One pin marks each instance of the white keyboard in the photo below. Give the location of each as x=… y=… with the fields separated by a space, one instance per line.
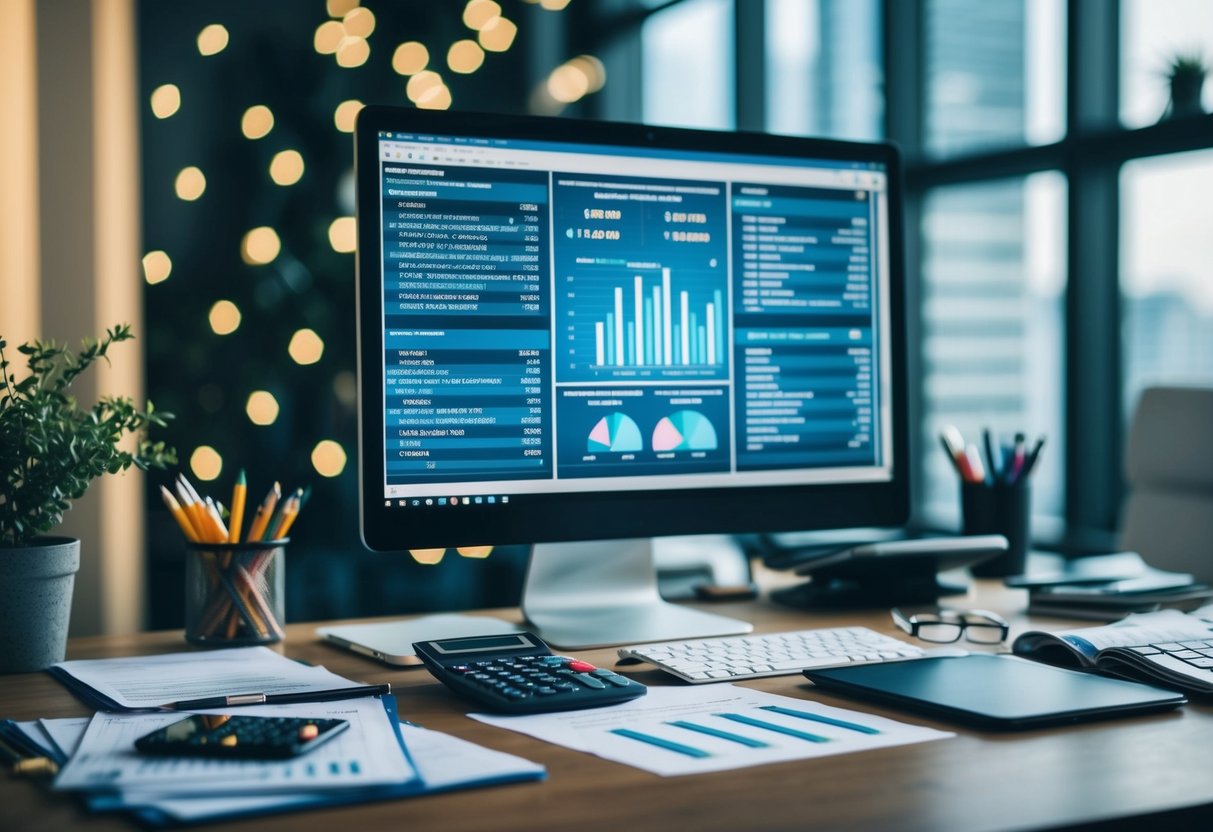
x=776 y=654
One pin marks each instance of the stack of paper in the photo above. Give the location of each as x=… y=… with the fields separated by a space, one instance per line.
x=375 y=758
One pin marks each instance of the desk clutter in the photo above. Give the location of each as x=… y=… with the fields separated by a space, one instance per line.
x=376 y=756
x=1106 y=587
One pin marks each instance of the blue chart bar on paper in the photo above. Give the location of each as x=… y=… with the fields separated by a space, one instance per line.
x=642 y=287
x=660 y=742
x=824 y=720
x=748 y=742
x=771 y=726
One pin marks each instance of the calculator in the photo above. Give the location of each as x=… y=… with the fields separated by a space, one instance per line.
x=517 y=673
x=240 y=737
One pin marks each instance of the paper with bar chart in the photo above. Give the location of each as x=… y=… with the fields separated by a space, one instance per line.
x=692 y=730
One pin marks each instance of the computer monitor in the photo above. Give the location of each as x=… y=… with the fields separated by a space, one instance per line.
x=596 y=332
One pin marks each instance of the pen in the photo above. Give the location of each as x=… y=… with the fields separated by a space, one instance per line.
x=278 y=698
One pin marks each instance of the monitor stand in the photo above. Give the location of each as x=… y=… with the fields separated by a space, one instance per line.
x=602 y=593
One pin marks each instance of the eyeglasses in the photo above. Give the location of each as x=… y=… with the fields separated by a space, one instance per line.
x=945 y=626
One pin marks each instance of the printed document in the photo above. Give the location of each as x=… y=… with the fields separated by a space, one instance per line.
x=141 y=682
x=691 y=730
x=366 y=754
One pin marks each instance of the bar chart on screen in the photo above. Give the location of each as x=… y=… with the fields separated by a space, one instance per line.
x=642 y=288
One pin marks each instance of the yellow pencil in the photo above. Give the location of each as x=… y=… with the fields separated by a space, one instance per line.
x=179 y=515
x=218 y=530
x=236 y=519
x=266 y=510
x=289 y=519
x=282 y=523
x=193 y=512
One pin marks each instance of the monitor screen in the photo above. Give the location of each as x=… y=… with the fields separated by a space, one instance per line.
x=578 y=330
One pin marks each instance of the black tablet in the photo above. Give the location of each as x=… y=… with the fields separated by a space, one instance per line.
x=995 y=691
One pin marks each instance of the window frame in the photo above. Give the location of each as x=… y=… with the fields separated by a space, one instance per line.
x=1089 y=155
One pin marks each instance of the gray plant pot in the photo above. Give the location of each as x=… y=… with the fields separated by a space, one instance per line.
x=36 y=602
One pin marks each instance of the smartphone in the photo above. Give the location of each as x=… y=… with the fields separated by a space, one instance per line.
x=240 y=737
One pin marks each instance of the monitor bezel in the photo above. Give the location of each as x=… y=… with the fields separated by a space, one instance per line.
x=572 y=516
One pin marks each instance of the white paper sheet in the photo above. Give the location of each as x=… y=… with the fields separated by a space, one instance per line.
x=444 y=762
x=66 y=732
x=707 y=711
x=365 y=754
x=152 y=681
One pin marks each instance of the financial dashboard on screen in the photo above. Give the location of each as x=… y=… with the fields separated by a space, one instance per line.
x=566 y=317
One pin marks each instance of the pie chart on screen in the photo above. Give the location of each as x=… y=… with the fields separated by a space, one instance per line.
x=686 y=430
x=616 y=432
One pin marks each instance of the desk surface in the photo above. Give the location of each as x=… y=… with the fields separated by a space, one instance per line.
x=1085 y=774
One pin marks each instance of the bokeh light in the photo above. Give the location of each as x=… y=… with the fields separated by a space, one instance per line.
x=478 y=552
x=352 y=52
x=262 y=408
x=435 y=98
x=260 y=246
x=328 y=458
x=553 y=5
x=157 y=266
x=257 y=122
x=465 y=56
x=328 y=37
x=224 y=317
x=346 y=115
x=343 y=235
x=479 y=12
x=340 y=8
x=359 y=22
x=306 y=347
x=286 y=168
x=206 y=463
x=421 y=82
x=410 y=58
x=166 y=100
x=212 y=39
x=427 y=557
x=190 y=184
x=498 y=34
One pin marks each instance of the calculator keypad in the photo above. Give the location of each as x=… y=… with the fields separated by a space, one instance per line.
x=517 y=678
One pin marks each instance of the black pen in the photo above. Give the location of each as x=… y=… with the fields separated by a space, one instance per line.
x=278 y=698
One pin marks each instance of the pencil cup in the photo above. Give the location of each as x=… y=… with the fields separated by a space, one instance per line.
x=234 y=593
x=1000 y=508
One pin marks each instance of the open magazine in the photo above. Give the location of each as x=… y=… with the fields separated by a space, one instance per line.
x=1167 y=648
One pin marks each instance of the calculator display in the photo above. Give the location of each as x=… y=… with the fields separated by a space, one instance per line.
x=455 y=646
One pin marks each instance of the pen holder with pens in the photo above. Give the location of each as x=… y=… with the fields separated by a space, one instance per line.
x=234 y=592
x=1003 y=508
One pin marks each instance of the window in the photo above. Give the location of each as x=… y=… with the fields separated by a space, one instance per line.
x=688 y=65
x=1154 y=33
x=1166 y=276
x=994 y=74
x=993 y=286
x=823 y=68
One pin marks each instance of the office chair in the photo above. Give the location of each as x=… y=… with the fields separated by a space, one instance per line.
x=1168 y=514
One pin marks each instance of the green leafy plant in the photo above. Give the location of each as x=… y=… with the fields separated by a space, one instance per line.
x=50 y=448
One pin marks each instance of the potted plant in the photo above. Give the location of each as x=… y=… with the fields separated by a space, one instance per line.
x=1186 y=78
x=50 y=452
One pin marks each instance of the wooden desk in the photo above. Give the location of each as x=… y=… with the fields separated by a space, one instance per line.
x=1099 y=774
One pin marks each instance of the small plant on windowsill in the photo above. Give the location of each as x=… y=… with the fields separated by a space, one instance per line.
x=1185 y=76
x=51 y=450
